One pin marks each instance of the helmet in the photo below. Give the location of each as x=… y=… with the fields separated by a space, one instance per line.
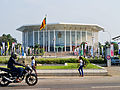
x=13 y=55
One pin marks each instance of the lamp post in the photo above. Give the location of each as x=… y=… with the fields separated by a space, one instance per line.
x=108 y=51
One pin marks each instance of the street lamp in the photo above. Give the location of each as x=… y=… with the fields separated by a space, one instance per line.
x=108 y=51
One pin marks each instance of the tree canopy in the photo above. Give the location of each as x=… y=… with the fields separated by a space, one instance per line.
x=7 y=38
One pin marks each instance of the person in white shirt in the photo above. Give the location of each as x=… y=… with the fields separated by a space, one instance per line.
x=33 y=64
x=80 y=69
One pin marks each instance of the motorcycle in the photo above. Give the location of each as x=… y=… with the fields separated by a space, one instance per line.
x=7 y=76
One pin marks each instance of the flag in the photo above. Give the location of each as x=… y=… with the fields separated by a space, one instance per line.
x=8 y=46
x=1 y=51
x=13 y=47
x=98 y=51
x=43 y=24
x=85 y=46
x=20 y=48
x=92 y=51
x=102 y=51
x=3 y=44
x=119 y=48
x=112 y=50
x=82 y=50
x=22 y=51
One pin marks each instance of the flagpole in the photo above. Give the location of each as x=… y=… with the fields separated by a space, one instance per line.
x=46 y=33
x=44 y=27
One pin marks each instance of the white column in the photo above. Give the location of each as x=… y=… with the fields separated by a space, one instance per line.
x=33 y=38
x=48 y=40
x=54 y=40
x=93 y=38
x=86 y=36
x=70 y=42
x=22 y=38
x=75 y=38
x=65 y=40
x=38 y=37
x=27 y=38
x=81 y=35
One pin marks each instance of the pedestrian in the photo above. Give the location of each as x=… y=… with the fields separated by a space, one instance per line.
x=80 y=69
x=33 y=64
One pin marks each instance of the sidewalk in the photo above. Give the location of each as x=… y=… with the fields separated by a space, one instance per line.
x=72 y=72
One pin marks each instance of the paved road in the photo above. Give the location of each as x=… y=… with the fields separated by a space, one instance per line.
x=71 y=83
x=111 y=82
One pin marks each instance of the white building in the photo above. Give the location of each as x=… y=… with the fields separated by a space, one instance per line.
x=63 y=36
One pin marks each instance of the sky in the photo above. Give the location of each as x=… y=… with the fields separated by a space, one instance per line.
x=15 y=13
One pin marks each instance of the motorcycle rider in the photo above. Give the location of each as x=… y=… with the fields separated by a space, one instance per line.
x=12 y=63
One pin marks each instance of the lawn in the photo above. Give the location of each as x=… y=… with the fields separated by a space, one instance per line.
x=69 y=66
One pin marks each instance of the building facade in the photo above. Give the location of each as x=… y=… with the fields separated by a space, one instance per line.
x=60 y=36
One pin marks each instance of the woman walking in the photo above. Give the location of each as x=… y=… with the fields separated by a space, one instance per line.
x=80 y=69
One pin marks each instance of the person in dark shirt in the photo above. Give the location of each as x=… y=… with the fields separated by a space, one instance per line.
x=11 y=65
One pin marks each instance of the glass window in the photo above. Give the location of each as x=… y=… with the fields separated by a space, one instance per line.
x=23 y=37
x=60 y=38
x=41 y=38
x=78 y=38
x=30 y=38
x=52 y=38
x=73 y=37
x=83 y=36
x=67 y=38
x=89 y=37
x=35 y=38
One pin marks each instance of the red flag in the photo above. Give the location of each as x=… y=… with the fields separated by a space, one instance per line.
x=43 y=24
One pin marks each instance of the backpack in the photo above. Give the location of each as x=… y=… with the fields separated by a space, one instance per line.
x=83 y=63
x=35 y=63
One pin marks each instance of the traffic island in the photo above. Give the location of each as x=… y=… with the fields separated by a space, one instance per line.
x=72 y=72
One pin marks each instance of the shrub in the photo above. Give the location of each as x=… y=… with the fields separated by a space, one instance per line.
x=4 y=60
x=56 y=60
x=97 y=61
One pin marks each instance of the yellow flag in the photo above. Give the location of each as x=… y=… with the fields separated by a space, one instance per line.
x=8 y=46
x=20 y=48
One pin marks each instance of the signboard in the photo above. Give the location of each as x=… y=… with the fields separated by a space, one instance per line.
x=112 y=50
x=108 y=57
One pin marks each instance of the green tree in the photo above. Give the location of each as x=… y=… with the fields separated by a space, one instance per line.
x=7 y=38
x=115 y=48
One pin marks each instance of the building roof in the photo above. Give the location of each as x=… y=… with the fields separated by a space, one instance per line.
x=62 y=26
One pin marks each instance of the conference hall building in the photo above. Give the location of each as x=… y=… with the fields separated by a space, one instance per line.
x=60 y=36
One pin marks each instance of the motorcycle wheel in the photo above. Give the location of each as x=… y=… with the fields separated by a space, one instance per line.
x=31 y=79
x=3 y=82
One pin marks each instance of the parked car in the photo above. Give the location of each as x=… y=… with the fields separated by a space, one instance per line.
x=115 y=60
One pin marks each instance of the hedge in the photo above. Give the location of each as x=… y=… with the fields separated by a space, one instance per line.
x=56 y=60
x=59 y=60
x=4 y=60
x=98 y=61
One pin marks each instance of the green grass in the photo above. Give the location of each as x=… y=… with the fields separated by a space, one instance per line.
x=4 y=59
x=70 y=66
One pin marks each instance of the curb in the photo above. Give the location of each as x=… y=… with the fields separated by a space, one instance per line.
x=73 y=72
